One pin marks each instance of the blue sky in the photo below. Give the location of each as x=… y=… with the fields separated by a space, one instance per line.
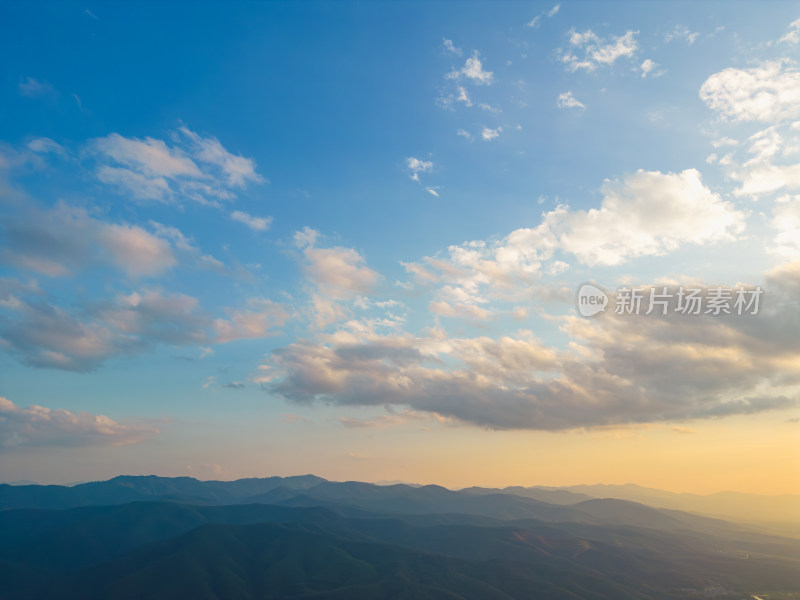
x=324 y=233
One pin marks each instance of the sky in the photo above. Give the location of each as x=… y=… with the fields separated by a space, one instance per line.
x=347 y=238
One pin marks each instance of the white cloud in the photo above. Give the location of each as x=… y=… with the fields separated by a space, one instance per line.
x=465 y=134
x=490 y=134
x=567 y=100
x=32 y=88
x=768 y=92
x=647 y=66
x=681 y=32
x=238 y=170
x=786 y=222
x=41 y=426
x=416 y=166
x=537 y=20
x=196 y=168
x=44 y=145
x=450 y=48
x=150 y=157
x=432 y=191
x=646 y=214
x=649 y=213
x=254 y=223
x=337 y=272
x=792 y=35
x=596 y=50
x=463 y=96
x=473 y=71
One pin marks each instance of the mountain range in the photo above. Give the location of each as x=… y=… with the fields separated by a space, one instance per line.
x=306 y=537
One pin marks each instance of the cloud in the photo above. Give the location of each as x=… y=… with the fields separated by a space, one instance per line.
x=44 y=145
x=786 y=223
x=646 y=214
x=490 y=134
x=534 y=22
x=432 y=191
x=647 y=66
x=260 y=319
x=195 y=168
x=416 y=166
x=567 y=100
x=681 y=32
x=34 y=88
x=237 y=169
x=450 y=48
x=649 y=213
x=537 y=20
x=463 y=96
x=337 y=272
x=614 y=371
x=47 y=336
x=473 y=71
x=465 y=134
x=254 y=223
x=596 y=50
x=769 y=92
x=41 y=426
x=792 y=35
x=62 y=239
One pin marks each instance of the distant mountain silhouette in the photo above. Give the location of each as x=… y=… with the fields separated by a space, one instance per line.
x=305 y=537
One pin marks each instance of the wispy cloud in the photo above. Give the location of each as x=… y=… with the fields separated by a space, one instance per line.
x=596 y=51
x=33 y=88
x=254 y=223
x=567 y=100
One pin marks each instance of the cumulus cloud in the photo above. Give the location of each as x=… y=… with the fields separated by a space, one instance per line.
x=616 y=370
x=645 y=214
x=337 y=272
x=473 y=71
x=647 y=67
x=41 y=426
x=416 y=166
x=489 y=134
x=567 y=100
x=649 y=213
x=588 y=51
x=768 y=92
